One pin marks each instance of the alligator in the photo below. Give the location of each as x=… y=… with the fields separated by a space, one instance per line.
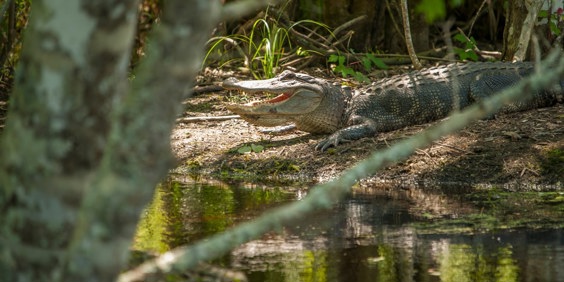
x=318 y=106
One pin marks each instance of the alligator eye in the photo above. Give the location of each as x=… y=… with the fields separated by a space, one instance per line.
x=287 y=74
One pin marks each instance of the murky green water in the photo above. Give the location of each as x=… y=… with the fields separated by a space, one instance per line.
x=377 y=234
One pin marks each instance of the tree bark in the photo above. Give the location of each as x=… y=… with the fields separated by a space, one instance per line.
x=72 y=70
x=80 y=154
x=407 y=32
x=521 y=17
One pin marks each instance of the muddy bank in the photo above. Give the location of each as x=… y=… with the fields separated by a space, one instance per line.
x=523 y=150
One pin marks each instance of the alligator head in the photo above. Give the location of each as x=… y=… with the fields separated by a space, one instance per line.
x=312 y=104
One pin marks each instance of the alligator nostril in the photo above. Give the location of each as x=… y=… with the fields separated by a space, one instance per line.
x=229 y=81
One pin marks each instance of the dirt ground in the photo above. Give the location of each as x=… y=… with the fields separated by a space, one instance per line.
x=519 y=151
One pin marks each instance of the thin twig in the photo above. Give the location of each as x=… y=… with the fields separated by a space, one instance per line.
x=533 y=7
x=312 y=42
x=347 y=36
x=452 y=147
x=206 y=89
x=408 y=41
x=476 y=16
x=346 y=25
x=394 y=23
x=233 y=43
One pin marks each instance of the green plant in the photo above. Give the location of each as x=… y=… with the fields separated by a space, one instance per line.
x=264 y=48
x=250 y=148
x=466 y=53
x=435 y=9
x=369 y=61
x=270 y=47
x=554 y=20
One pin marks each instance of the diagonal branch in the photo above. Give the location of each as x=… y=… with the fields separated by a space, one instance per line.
x=238 y=9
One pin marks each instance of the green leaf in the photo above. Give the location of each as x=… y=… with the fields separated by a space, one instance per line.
x=460 y=52
x=460 y=38
x=466 y=54
x=554 y=28
x=543 y=14
x=302 y=52
x=432 y=9
x=471 y=43
x=377 y=62
x=244 y=150
x=348 y=71
x=343 y=70
x=340 y=69
x=367 y=63
x=360 y=77
x=257 y=148
x=472 y=55
x=333 y=58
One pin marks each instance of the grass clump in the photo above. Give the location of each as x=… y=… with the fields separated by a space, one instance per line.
x=267 y=45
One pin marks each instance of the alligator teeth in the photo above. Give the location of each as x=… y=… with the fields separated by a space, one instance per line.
x=277 y=99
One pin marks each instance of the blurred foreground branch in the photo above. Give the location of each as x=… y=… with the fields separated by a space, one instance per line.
x=238 y=9
x=324 y=196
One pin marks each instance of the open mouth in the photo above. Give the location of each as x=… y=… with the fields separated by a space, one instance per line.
x=293 y=97
x=278 y=99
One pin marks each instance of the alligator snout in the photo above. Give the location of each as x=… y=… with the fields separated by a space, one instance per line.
x=230 y=82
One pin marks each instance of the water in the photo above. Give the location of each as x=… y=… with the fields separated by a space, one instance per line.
x=376 y=234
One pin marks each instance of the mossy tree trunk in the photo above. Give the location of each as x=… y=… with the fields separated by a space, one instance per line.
x=521 y=17
x=81 y=153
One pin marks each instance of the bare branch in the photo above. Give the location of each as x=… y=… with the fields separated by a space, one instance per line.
x=407 y=32
x=238 y=9
x=533 y=7
x=348 y=24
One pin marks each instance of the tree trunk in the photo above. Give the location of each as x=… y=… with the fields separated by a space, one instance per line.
x=72 y=70
x=381 y=29
x=80 y=154
x=520 y=20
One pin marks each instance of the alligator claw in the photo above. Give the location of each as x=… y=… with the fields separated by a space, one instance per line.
x=331 y=141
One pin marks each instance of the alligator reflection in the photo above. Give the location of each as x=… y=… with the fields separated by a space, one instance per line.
x=377 y=234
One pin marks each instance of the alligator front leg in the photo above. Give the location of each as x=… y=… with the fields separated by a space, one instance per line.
x=366 y=128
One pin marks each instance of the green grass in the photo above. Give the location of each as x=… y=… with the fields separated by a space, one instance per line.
x=263 y=50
